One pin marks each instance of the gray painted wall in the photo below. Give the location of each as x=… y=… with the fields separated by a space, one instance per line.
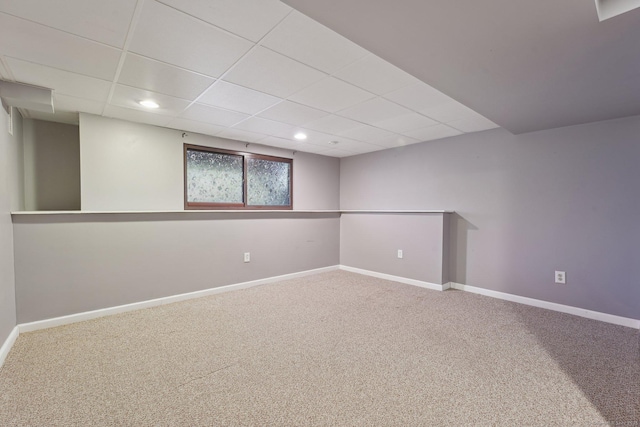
x=132 y=166
x=68 y=264
x=51 y=166
x=9 y=188
x=526 y=205
x=371 y=241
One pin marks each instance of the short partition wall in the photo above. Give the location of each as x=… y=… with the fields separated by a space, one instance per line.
x=68 y=263
x=407 y=244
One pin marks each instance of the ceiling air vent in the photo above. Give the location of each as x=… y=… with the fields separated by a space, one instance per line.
x=610 y=8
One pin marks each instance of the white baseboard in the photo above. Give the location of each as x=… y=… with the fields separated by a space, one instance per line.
x=8 y=343
x=420 y=283
x=87 y=315
x=589 y=314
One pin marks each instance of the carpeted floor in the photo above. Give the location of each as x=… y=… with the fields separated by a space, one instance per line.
x=334 y=349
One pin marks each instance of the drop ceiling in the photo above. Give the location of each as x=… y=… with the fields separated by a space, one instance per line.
x=250 y=70
x=525 y=65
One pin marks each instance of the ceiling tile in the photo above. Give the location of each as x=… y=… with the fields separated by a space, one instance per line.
x=354 y=146
x=171 y=36
x=313 y=137
x=374 y=110
x=273 y=73
x=36 y=43
x=331 y=94
x=449 y=111
x=433 y=132
x=376 y=75
x=237 y=98
x=241 y=135
x=159 y=77
x=418 y=97
x=129 y=97
x=213 y=115
x=292 y=113
x=63 y=82
x=333 y=124
x=274 y=141
x=267 y=127
x=103 y=21
x=251 y=19
x=301 y=38
x=195 y=126
x=369 y=134
x=472 y=124
x=396 y=141
x=73 y=104
x=136 y=116
x=4 y=72
x=407 y=122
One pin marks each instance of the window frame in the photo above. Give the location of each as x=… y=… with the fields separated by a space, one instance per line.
x=245 y=166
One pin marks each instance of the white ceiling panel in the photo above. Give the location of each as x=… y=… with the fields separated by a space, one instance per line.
x=237 y=98
x=449 y=111
x=338 y=152
x=418 y=97
x=292 y=113
x=103 y=21
x=369 y=134
x=163 y=78
x=241 y=135
x=396 y=141
x=73 y=104
x=129 y=97
x=195 y=126
x=36 y=43
x=331 y=94
x=274 y=141
x=313 y=137
x=333 y=124
x=272 y=73
x=267 y=127
x=407 y=122
x=433 y=132
x=374 y=110
x=64 y=82
x=4 y=71
x=376 y=75
x=168 y=35
x=311 y=43
x=251 y=19
x=137 y=116
x=354 y=146
x=472 y=124
x=213 y=115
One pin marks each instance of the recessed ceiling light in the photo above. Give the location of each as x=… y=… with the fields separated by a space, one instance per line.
x=149 y=103
x=300 y=136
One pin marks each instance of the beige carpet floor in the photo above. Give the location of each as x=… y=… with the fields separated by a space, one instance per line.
x=334 y=349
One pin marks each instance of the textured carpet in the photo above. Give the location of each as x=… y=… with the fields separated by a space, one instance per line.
x=334 y=349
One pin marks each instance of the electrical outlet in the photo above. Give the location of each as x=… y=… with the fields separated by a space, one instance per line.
x=247 y=257
x=561 y=277
x=400 y=254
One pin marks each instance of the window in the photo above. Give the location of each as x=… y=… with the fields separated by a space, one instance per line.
x=222 y=179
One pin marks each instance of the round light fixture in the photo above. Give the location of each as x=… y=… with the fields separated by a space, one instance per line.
x=149 y=103
x=300 y=136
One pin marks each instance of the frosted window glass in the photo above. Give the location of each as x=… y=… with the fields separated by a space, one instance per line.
x=214 y=177
x=268 y=183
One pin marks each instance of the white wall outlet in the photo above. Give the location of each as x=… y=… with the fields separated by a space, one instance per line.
x=247 y=256
x=561 y=277
x=400 y=254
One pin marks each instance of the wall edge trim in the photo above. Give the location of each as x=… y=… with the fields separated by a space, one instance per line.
x=8 y=344
x=405 y=280
x=576 y=311
x=94 y=314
